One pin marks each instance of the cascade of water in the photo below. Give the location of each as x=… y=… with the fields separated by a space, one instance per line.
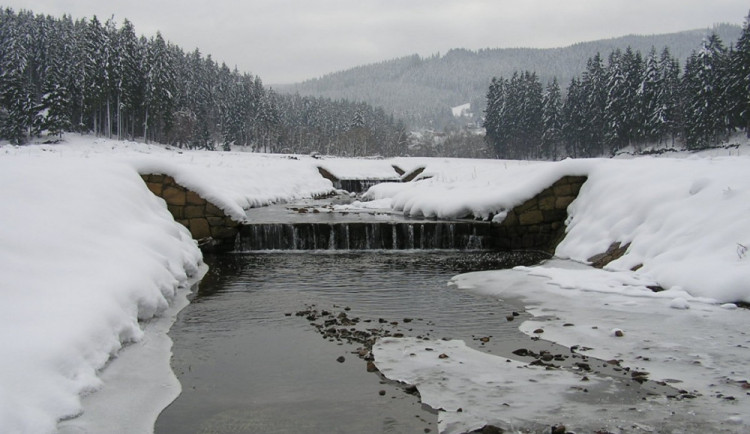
x=295 y=238
x=365 y=236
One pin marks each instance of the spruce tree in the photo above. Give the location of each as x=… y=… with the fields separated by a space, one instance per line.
x=593 y=86
x=615 y=110
x=705 y=100
x=16 y=90
x=668 y=108
x=652 y=118
x=574 y=119
x=551 y=121
x=740 y=84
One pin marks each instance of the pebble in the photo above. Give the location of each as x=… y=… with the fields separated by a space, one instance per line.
x=341 y=359
x=558 y=429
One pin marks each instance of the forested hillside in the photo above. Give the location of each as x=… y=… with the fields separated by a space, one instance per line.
x=629 y=100
x=60 y=75
x=421 y=90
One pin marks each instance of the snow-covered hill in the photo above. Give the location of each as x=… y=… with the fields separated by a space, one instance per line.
x=86 y=251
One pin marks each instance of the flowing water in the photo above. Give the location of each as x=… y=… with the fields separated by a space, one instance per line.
x=248 y=364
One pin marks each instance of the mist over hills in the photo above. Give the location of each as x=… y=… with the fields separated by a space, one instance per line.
x=422 y=90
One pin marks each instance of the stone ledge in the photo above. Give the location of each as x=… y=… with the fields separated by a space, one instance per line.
x=539 y=222
x=207 y=223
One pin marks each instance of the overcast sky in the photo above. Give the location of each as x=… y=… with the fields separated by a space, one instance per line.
x=285 y=41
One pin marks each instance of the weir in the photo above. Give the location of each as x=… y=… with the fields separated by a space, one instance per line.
x=330 y=224
x=327 y=224
x=366 y=236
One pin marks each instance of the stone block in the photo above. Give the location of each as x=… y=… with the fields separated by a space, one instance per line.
x=529 y=204
x=563 y=189
x=194 y=211
x=174 y=195
x=511 y=219
x=192 y=198
x=215 y=221
x=223 y=232
x=547 y=203
x=528 y=241
x=213 y=210
x=555 y=215
x=531 y=217
x=153 y=177
x=547 y=192
x=154 y=187
x=199 y=228
x=176 y=211
x=562 y=202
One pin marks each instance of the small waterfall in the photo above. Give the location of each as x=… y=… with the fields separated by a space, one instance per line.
x=404 y=235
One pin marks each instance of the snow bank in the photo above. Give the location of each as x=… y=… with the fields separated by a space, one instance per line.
x=685 y=220
x=86 y=251
x=688 y=220
x=463 y=188
x=696 y=346
x=348 y=168
x=234 y=181
x=473 y=389
x=238 y=181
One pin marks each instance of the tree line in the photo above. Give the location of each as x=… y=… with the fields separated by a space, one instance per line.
x=627 y=101
x=61 y=75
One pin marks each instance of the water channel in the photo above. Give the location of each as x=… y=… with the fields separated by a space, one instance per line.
x=246 y=365
x=251 y=360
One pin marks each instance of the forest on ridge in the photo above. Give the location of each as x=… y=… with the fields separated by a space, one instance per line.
x=629 y=101
x=61 y=75
x=64 y=75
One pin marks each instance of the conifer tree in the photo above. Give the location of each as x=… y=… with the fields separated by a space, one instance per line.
x=15 y=89
x=705 y=100
x=651 y=118
x=668 y=108
x=574 y=119
x=740 y=79
x=551 y=120
x=593 y=86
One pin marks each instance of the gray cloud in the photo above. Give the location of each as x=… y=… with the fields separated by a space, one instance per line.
x=291 y=40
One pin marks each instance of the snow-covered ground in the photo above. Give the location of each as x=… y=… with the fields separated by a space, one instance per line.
x=687 y=220
x=89 y=256
x=94 y=268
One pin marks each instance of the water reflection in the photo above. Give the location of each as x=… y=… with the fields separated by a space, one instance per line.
x=247 y=364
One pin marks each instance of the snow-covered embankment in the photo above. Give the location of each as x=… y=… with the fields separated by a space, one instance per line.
x=687 y=223
x=86 y=251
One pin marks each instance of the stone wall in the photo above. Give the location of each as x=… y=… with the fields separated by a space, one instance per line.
x=539 y=223
x=214 y=230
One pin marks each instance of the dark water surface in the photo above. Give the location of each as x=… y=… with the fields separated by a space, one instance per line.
x=246 y=366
